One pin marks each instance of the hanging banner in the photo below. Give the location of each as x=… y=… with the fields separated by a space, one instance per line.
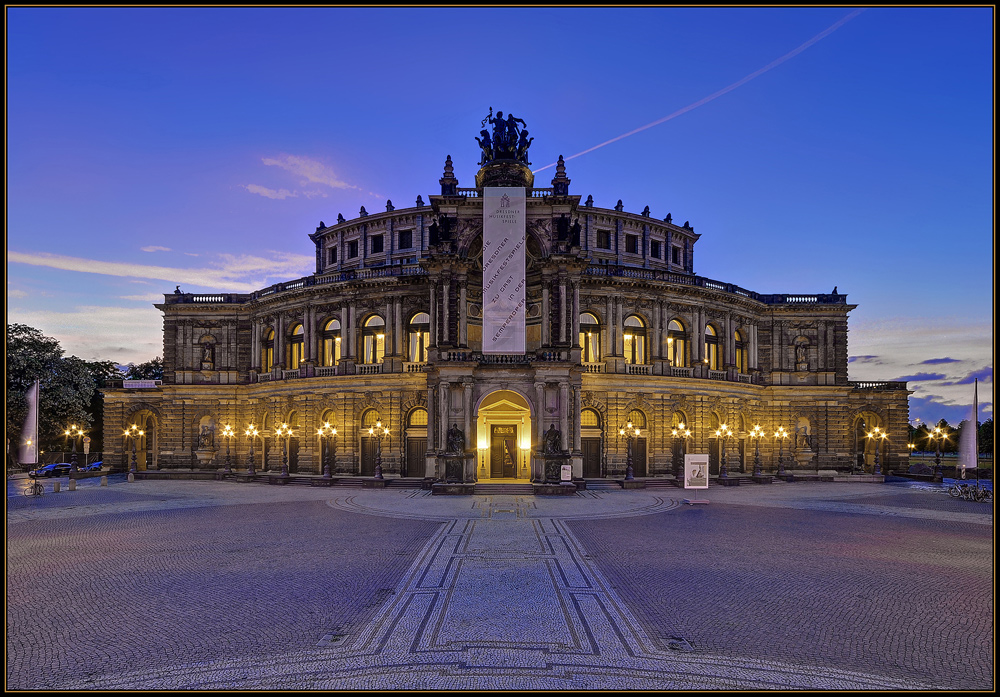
x=503 y=269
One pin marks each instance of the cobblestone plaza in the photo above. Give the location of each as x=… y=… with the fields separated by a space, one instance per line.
x=218 y=585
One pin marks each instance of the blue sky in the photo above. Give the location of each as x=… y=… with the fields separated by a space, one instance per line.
x=810 y=147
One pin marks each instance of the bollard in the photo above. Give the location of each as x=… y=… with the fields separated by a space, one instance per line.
x=131 y=477
x=55 y=487
x=104 y=481
x=72 y=485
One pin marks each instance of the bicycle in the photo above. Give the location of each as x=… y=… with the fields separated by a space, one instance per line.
x=970 y=492
x=34 y=489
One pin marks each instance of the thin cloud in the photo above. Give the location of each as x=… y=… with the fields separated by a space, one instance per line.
x=154 y=248
x=237 y=274
x=983 y=375
x=921 y=377
x=146 y=298
x=863 y=359
x=17 y=294
x=938 y=361
x=270 y=193
x=312 y=171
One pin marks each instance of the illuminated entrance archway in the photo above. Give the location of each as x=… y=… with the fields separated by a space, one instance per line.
x=503 y=436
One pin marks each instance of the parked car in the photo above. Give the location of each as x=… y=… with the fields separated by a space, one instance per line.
x=57 y=469
x=92 y=467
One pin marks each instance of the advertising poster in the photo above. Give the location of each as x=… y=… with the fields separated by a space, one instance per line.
x=696 y=471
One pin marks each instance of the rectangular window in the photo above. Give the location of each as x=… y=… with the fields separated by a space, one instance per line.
x=604 y=239
x=332 y=255
x=376 y=244
x=405 y=239
x=352 y=249
x=654 y=249
x=675 y=255
x=632 y=244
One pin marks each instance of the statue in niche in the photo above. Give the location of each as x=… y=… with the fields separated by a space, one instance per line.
x=207 y=355
x=575 y=233
x=553 y=441
x=801 y=361
x=456 y=439
x=206 y=439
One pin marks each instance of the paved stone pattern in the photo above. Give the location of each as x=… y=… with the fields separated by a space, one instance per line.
x=204 y=585
x=889 y=594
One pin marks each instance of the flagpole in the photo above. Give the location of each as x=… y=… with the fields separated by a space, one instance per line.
x=975 y=425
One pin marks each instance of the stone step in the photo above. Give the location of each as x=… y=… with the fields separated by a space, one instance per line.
x=602 y=484
x=486 y=489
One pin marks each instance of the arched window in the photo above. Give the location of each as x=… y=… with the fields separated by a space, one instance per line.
x=712 y=356
x=637 y=418
x=590 y=338
x=589 y=418
x=373 y=338
x=295 y=343
x=419 y=337
x=677 y=344
x=741 y=353
x=331 y=343
x=369 y=419
x=267 y=352
x=417 y=417
x=635 y=340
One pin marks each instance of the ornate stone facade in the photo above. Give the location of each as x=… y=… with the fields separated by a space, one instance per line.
x=619 y=329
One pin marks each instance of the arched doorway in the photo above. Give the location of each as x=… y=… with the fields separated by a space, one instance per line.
x=591 y=443
x=369 y=444
x=503 y=436
x=638 y=420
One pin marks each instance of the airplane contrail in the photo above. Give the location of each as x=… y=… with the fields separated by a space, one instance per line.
x=774 y=64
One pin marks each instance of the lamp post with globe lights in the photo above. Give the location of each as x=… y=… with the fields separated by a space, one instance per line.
x=134 y=432
x=682 y=432
x=877 y=436
x=724 y=432
x=756 y=434
x=378 y=432
x=228 y=433
x=629 y=433
x=327 y=431
x=284 y=431
x=251 y=432
x=780 y=435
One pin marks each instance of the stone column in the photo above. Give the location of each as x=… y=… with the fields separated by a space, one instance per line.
x=578 y=419
x=432 y=420
x=656 y=340
x=444 y=407
x=539 y=410
x=345 y=332
x=564 y=414
x=463 y=315
x=255 y=344
x=433 y=313
x=467 y=408
x=445 y=314
x=576 y=314
x=279 y=343
x=398 y=334
x=619 y=329
x=562 y=309
x=352 y=329
x=752 y=359
x=545 y=311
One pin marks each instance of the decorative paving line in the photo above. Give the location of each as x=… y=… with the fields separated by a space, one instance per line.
x=497 y=599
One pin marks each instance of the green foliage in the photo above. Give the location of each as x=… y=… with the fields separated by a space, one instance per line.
x=986 y=436
x=67 y=386
x=150 y=370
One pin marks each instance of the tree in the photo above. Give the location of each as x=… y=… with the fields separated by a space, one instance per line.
x=986 y=436
x=150 y=370
x=103 y=372
x=66 y=387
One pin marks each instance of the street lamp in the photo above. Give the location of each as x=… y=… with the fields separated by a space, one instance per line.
x=228 y=433
x=756 y=434
x=780 y=435
x=629 y=433
x=680 y=431
x=134 y=432
x=724 y=433
x=323 y=432
x=938 y=435
x=378 y=432
x=74 y=432
x=251 y=433
x=877 y=435
x=284 y=431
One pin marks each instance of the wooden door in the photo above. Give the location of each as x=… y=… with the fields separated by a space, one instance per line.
x=503 y=451
x=368 y=457
x=591 y=448
x=416 y=451
x=639 y=458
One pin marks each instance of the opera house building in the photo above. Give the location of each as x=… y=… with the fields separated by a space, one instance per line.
x=495 y=327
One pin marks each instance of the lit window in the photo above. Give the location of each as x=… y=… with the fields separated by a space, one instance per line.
x=419 y=337
x=331 y=343
x=635 y=340
x=712 y=355
x=590 y=338
x=267 y=352
x=677 y=342
x=373 y=337
x=295 y=344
